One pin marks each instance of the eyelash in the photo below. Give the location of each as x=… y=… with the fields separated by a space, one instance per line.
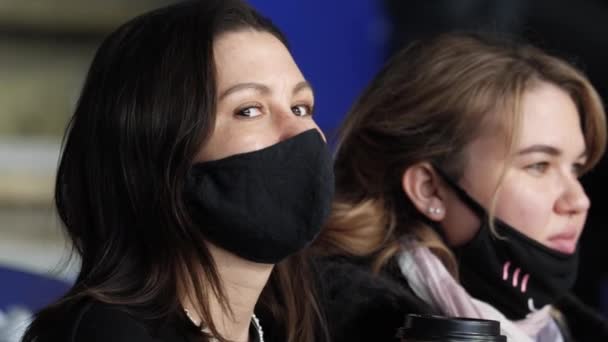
x=241 y=111
x=535 y=167
x=309 y=110
x=577 y=169
x=541 y=167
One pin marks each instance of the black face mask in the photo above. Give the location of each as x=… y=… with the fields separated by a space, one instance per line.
x=511 y=271
x=267 y=204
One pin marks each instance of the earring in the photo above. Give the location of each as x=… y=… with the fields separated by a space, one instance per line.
x=434 y=211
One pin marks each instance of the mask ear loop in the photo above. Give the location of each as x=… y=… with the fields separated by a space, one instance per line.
x=472 y=204
x=467 y=199
x=461 y=193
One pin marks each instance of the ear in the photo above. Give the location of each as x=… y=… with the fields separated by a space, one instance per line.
x=421 y=185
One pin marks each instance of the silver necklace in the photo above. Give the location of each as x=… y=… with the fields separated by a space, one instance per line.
x=254 y=321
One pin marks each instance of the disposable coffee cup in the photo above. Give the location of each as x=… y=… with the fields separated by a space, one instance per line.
x=428 y=328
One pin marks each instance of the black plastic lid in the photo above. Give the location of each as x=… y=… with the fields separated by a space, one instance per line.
x=440 y=328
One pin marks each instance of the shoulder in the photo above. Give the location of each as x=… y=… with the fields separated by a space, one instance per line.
x=97 y=322
x=578 y=321
x=352 y=280
x=360 y=305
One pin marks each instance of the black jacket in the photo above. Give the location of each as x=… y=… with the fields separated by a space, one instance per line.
x=361 y=306
x=97 y=322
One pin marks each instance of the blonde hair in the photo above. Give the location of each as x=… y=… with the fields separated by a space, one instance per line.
x=427 y=104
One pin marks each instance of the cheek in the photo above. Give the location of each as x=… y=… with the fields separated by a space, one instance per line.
x=526 y=209
x=246 y=140
x=229 y=140
x=460 y=224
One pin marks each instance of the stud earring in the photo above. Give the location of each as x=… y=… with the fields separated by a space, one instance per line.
x=434 y=211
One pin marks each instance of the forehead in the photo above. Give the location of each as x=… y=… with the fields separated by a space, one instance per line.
x=550 y=116
x=252 y=55
x=547 y=116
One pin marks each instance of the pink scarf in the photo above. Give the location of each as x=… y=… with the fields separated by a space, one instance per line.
x=431 y=281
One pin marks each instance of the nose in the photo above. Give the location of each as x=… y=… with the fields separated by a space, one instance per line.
x=573 y=199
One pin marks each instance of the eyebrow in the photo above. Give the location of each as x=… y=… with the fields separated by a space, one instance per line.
x=550 y=150
x=301 y=86
x=242 y=86
x=261 y=88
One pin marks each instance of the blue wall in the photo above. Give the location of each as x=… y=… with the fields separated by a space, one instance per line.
x=339 y=46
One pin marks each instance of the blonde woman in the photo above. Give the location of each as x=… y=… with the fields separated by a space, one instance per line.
x=457 y=191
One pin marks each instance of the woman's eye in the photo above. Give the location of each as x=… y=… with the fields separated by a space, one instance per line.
x=538 y=168
x=577 y=169
x=250 y=112
x=302 y=110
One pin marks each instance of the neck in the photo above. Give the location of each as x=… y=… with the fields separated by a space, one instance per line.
x=242 y=281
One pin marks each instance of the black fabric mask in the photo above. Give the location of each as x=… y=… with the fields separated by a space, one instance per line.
x=267 y=204
x=511 y=271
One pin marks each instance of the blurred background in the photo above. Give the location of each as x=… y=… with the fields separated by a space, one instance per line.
x=47 y=45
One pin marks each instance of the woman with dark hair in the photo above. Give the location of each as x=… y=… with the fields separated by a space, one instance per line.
x=192 y=177
x=458 y=192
